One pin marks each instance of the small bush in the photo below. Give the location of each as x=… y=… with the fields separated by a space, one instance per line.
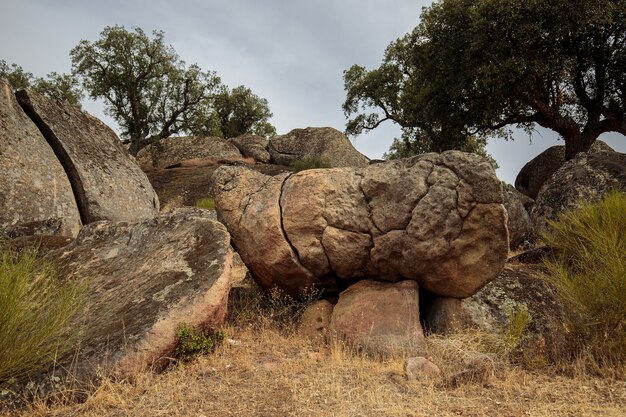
x=588 y=269
x=310 y=162
x=193 y=342
x=206 y=203
x=35 y=307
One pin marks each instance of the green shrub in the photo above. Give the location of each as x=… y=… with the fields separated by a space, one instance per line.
x=35 y=308
x=310 y=162
x=588 y=269
x=193 y=342
x=206 y=203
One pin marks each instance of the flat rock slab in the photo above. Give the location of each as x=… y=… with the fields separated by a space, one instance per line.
x=35 y=194
x=142 y=280
x=107 y=183
x=437 y=219
x=173 y=150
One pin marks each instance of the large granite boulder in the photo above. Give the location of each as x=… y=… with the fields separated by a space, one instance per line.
x=35 y=194
x=585 y=178
x=437 y=219
x=134 y=304
x=380 y=318
x=173 y=150
x=519 y=223
x=253 y=146
x=539 y=169
x=107 y=184
x=323 y=143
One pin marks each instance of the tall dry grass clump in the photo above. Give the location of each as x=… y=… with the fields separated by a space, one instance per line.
x=35 y=308
x=588 y=269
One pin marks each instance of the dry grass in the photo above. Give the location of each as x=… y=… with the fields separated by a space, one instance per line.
x=269 y=370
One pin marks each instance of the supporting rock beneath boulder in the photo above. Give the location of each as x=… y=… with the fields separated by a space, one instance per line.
x=380 y=318
x=141 y=281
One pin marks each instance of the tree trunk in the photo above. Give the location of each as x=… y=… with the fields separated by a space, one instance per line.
x=575 y=144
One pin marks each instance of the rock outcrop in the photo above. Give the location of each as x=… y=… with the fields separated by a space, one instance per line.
x=437 y=219
x=585 y=178
x=133 y=304
x=35 y=194
x=539 y=169
x=519 y=223
x=380 y=318
x=173 y=150
x=107 y=184
x=323 y=143
x=253 y=146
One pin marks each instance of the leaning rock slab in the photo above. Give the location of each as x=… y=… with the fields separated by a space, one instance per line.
x=437 y=219
x=380 y=318
x=323 y=143
x=35 y=194
x=107 y=184
x=253 y=146
x=141 y=281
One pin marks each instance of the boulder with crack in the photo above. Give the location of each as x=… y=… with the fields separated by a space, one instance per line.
x=436 y=219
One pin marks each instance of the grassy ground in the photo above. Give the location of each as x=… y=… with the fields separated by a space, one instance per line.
x=267 y=369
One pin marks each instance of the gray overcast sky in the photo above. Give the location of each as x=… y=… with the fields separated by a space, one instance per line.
x=292 y=52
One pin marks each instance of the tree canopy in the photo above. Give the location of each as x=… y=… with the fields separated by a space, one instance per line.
x=147 y=89
x=475 y=68
x=55 y=86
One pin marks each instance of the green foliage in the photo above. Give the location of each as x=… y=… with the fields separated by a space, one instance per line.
x=35 y=308
x=588 y=269
x=310 y=162
x=62 y=87
x=206 y=203
x=476 y=67
x=193 y=342
x=152 y=94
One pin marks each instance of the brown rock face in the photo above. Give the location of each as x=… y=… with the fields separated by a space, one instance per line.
x=538 y=170
x=324 y=143
x=380 y=317
x=436 y=219
x=107 y=184
x=252 y=146
x=35 y=194
x=585 y=178
x=142 y=280
x=173 y=150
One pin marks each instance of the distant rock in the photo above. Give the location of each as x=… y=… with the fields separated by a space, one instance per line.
x=173 y=150
x=323 y=143
x=437 y=219
x=107 y=184
x=536 y=172
x=585 y=178
x=253 y=146
x=519 y=223
x=35 y=194
x=380 y=318
x=134 y=304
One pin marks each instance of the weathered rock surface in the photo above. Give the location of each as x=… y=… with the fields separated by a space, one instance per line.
x=107 y=184
x=539 y=169
x=379 y=317
x=315 y=321
x=585 y=178
x=172 y=150
x=35 y=194
x=519 y=223
x=324 y=143
x=134 y=304
x=253 y=146
x=437 y=219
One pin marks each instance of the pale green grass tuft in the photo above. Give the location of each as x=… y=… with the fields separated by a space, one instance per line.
x=206 y=203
